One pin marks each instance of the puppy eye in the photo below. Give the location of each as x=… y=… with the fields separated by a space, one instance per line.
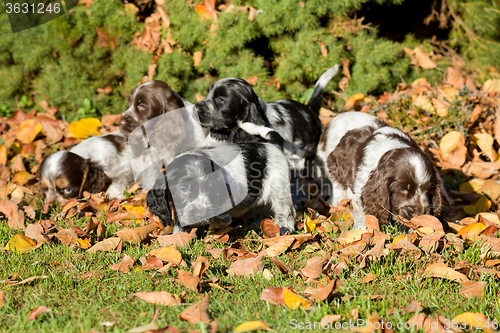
x=408 y=186
x=141 y=107
x=66 y=191
x=184 y=190
x=219 y=100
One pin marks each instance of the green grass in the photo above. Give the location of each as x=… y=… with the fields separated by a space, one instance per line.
x=83 y=292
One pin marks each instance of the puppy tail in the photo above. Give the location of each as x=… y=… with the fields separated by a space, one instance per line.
x=319 y=88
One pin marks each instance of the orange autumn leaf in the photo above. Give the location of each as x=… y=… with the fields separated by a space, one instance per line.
x=84 y=128
x=135 y=210
x=158 y=297
x=22 y=177
x=3 y=155
x=28 y=131
x=37 y=312
x=168 y=253
x=206 y=9
x=197 y=56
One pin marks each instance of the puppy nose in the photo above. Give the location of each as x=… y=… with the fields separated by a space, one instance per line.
x=121 y=122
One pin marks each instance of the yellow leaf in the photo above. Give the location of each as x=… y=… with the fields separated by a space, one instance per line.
x=136 y=210
x=423 y=102
x=491 y=188
x=471 y=231
x=167 y=253
x=449 y=142
x=84 y=243
x=473 y=185
x=197 y=56
x=22 y=177
x=354 y=101
x=440 y=270
x=84 y=128
x=309 y=224
x=450 y=93
x=491 y=85
x=16 y=148
x=28 y=131
x=21 y=244
x=131 y=8
x=481 y=205
x=398 y=239
x=294 y=301
x=423 y=59
x=476 y=320
x=485 y=142
x=251 y=326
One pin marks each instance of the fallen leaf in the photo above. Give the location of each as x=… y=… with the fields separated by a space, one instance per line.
x=423 y=58
x=471 y=186
x=197 y=56
x=273 y=295
x=168 y=253
x=37 y=312
x=251 y=326
x=369 y=278
x=252 y=80
x=22 y=177
x=324 y=50
x=294 y=301
x=21 y=244
x=196 y=312
x=473 y=289
x=2 y=299
x=28 y=131
x=485 y=142
x=471 y=231
x=329 y=319
x=207 y=9
x=67 y=236
x=278 y=248
x=138 y=211
x=158 y=297
x=440 y=270
x=354 y=101
x=325 y=292
x=13 y=213
x=314 y=267
x=136 y=235
x=475 y=320
x=178 y=240
x=247 y=267
x=188 y=280
x=200 y=266
x=491 y=85
x=109 y=244
x=371 y=223
x=449 y=142
x=481 y=205
x=124 y=265
x=491 y=188
x=428 y=221
x=269 y=229
x=414 y=306
x=350 y=236
x=84 y=128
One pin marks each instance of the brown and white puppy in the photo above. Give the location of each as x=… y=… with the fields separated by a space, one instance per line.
x=159 y=124
x=88 y=166
x=382 y=170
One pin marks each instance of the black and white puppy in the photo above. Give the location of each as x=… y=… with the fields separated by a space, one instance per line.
x=206 y=186
x=159 y=125
x=231 y=106
x=88 y=166
x=381 y=169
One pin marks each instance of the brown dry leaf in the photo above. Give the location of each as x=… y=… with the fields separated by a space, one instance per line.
x=14 y=283
x=124 y=265
x=325 y=292
x=491 y=188
x=440 y=270
x=428 y=221
x=196 y=312
x=150 y=263
x=278 y=248
x=136 y=235
x=109 y=244
x=52 y=134
x=371 y=223
x=110 y=119
x=369 y=278
x=314 y=267
x=158 y=297
x=423 y=59
x=269 y=229
x=427 y=324
x=252 y=80
x=188 y=280
x=414 y=306
x=13 y=213
x=2 y=299
x=197 y=56
x=37 y=312
x=200 y=266
x=35 y=231
x=67 y=236
x=327 y=320
x=273 y=295
x=3 y=154
x=168 y=253
x=350 y=236
x=28 y=131
x=473 y=289
x=177 y=240
x=476 y=320
x=247 y=267
x=324 y=50
x=430 y=243
x=294 y=301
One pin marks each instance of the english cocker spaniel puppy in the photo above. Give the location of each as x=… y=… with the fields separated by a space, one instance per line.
x=88 y=166
x=381 y=168
x=209 y=186
x=231 y=108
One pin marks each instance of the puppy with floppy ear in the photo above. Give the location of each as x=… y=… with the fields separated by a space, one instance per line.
x=208 y=186
x=231 y=105
x=88 y=166
x=381 y=169
x=157 y=117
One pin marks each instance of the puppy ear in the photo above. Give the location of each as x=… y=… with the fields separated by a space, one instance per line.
x=375 y=195
x=158 y=200
x=172 y=101
x=250 y=110
x=93 y=178
x=437 y=199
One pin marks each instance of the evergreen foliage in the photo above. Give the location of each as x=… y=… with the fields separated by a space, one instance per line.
x=68 y=59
